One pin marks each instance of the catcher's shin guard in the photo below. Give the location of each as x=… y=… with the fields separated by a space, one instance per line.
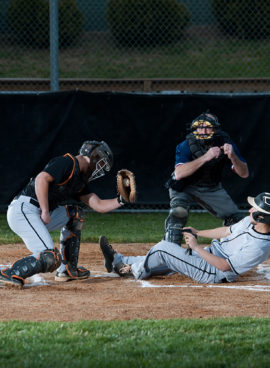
x=47 y=261
x=70 y=240
x=174 y=223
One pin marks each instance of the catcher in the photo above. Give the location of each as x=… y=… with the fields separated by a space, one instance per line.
x=39 y=208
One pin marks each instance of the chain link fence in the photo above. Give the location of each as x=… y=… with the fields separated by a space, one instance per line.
x=135 y=45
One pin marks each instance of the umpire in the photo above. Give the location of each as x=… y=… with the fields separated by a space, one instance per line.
x=200 y=159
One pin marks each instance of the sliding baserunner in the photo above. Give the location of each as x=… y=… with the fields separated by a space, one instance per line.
x=241 y=247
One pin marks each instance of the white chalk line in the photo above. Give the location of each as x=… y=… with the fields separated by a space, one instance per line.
x=147 y=284
x=262 y=269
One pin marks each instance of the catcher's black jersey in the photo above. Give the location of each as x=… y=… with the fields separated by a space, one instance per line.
x=68 y=184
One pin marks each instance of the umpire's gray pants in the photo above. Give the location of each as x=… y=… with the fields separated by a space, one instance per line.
x=214 y=199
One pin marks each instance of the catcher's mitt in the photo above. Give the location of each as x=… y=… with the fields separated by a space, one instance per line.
x=126 y=185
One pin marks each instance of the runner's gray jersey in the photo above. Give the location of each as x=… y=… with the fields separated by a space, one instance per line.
x=244 y=248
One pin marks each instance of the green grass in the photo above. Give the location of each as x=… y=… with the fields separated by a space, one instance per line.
x=230 y=342
x=121 y=227
x=98 y=57
x=235 y=342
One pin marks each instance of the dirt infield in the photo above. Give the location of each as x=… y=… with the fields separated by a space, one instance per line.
x=107 y=297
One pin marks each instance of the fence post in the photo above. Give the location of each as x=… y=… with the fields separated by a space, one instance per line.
x=54 y=46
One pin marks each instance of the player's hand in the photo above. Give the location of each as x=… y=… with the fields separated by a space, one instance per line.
x=190 y=240
x=45 y=217
x=228 y=150
x=190 y=228
x=213 y=152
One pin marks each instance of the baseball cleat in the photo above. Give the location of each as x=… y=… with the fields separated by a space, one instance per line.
x=10 y=280
x=82 y=273
x=108 y=252
x=123 y=269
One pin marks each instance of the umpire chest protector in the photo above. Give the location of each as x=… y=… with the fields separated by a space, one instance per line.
x=210 y=173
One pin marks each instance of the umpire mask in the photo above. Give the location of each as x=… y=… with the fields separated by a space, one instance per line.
x=262 y=205
x=204 y=121
x=100 y=155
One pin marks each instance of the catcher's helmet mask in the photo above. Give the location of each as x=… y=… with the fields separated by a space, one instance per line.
x=100 y=155
x=262 y=204
x=205 y=120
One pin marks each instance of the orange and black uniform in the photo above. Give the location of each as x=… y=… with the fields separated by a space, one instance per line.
x=68 y=183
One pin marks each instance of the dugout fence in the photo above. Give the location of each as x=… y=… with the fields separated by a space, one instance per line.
x=135 y=45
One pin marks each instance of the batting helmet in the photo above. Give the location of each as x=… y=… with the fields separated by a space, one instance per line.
x=100 y=155
x=205 y=120
x=262 y=204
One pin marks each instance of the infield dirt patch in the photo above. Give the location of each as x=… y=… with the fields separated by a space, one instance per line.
x=107 y=297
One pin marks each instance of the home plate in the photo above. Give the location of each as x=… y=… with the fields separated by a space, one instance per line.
x=35 y=280
x=97 y=274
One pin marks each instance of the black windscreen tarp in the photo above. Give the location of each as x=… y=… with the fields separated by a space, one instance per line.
x=141 y=129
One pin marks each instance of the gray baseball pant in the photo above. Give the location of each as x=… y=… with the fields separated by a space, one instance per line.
x=166 y=257
x=24 y=219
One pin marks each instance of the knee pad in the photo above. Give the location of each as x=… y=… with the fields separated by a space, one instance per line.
x=174 y=223
x=177 y=218
x=50 y=260
x=179 y=212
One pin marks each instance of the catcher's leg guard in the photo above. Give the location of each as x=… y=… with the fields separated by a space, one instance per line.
x=47 y=261
x=70 y=240
x=174 y=223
